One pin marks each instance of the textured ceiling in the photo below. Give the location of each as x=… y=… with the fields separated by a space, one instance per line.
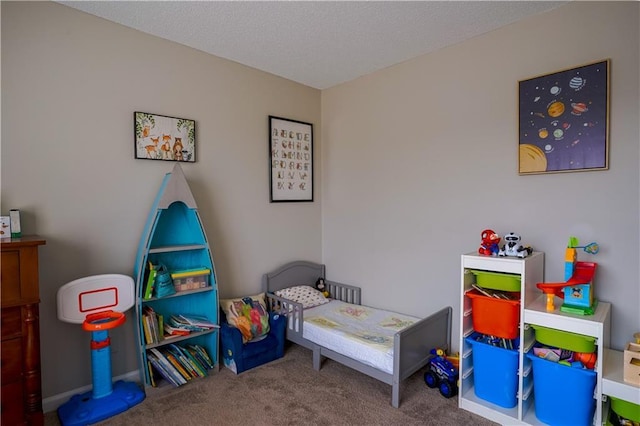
x=316 y=43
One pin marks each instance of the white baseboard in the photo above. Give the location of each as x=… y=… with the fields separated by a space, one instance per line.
x=53 y=402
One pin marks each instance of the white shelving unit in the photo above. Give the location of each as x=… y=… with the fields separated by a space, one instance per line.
x=532 y=312
x=613 y=383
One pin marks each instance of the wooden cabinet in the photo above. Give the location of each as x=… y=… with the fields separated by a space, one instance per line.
x=21 y=391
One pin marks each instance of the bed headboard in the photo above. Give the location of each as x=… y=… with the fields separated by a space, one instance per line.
x=294 y=273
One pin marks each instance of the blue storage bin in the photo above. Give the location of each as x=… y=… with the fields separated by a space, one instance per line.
x=563 y=395
x=495 y=373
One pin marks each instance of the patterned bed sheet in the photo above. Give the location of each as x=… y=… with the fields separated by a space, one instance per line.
x=359 y=332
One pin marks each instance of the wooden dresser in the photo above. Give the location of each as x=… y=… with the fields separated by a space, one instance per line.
x=21 y=391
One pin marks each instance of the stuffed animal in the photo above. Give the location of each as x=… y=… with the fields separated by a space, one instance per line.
x=489 y=245
x=322 y=287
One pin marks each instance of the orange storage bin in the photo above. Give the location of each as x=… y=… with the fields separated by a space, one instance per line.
x=496 y=317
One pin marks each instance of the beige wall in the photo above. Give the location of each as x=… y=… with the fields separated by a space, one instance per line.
x=416 y=160
x=70 y=85
x=419 y=158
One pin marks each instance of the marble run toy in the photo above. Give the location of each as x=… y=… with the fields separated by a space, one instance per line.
x=577 y=290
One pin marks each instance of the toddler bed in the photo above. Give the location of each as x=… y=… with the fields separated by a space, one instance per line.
x=385 y=345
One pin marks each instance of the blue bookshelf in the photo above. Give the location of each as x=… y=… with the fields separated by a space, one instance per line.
x=174 y=236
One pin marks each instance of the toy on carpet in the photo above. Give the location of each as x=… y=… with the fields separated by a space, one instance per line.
x=489 y=245
x=98 y=303
x=577 y=291
x=321 y=286
x=442 y=373
x=512 y=247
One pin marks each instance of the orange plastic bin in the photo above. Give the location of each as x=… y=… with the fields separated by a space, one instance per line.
x=496 y=317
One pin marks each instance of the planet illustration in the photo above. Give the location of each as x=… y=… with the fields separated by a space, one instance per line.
x=566 y=125
x=548 y=148
x=532 y=159
x=555 y=90
x=558 y=134
x=579 y=108
x=543 y=133
x=577 y=83
x=555 y=109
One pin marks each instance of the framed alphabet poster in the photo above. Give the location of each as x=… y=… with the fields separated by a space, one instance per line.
x=290 y=160
x=564 y=120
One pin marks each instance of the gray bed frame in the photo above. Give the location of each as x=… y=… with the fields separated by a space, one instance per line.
x=411 y=345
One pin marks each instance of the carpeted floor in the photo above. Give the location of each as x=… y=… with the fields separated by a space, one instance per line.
x=290 y=392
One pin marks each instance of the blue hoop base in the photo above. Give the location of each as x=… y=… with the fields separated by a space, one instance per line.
x=83 y=409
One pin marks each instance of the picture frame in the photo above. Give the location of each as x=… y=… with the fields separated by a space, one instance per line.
x=290 y=160
x=160 y=137
x=564 y=120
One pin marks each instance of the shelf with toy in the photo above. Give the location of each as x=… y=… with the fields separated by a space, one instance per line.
x=613 y=383
x=567 y=315
x=506 y=272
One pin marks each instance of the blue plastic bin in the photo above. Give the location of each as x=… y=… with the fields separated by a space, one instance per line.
x=495 y=373
x=563 y=395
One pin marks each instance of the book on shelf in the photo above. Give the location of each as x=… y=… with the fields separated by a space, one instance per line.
x=152 y=379
x=177 y=364
x=190 y=272
x=192 y=322
x=147 y=330
x=153 y=321
x=199 y=358
x=160 y=326
x=150 y=280
x=180 y=356
x=161 y=369
x=170 y=331
x=202 y=355
x=196 y=364
x=168 y=366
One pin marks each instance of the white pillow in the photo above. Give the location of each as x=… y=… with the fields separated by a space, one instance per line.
x=304 y=294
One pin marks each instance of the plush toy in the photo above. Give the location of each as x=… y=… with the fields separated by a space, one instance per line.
x=489 y=245
x=513 y=247
x=322 y=287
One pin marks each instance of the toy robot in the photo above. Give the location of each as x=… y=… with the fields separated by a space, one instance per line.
x=513 y=247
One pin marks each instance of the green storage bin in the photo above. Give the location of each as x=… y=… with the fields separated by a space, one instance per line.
x=564 y=339
x=497 y=280
x=626 y=409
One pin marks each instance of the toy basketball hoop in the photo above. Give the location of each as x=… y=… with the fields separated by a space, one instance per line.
x=103 y=321
x=98 y=303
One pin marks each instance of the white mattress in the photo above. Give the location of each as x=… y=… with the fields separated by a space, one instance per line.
x=359 y=332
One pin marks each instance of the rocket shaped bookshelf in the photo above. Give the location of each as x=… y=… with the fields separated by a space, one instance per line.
x=174 y=237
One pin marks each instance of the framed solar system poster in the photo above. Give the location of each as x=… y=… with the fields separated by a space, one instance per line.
x=290 y=160
x=564 y=120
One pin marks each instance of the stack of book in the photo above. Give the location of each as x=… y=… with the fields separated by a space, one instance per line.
x=181 y=324
x=153 y=325
x=156 y=329
x=178 y=364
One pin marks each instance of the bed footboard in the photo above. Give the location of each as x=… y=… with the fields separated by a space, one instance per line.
x=412 y=346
